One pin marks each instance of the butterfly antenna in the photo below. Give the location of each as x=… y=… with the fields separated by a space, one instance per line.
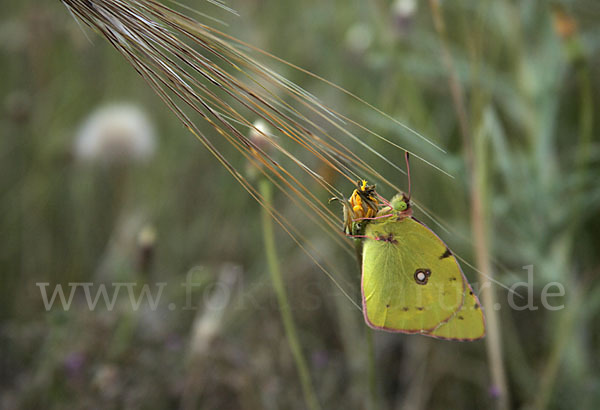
x=406 y=156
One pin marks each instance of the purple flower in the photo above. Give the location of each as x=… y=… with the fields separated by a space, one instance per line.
x=320 y=358
x=494 y=391
x=73 y=363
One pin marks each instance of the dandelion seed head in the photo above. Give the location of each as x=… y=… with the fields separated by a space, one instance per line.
x=404 y=8
x=146 y=236
x=116 y=133
x=106 y=379
x=260 y=134
x=146 y=241
x=359 y=38
x=403 y=12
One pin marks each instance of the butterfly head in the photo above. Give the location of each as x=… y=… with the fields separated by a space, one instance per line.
x=401 y=204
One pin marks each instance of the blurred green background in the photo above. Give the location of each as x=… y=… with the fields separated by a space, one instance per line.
x=165 y=211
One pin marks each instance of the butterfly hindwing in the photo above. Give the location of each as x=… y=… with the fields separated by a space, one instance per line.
x=466 y=324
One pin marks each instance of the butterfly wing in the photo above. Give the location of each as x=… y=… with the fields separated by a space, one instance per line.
x=466 y=324
x=412 y=283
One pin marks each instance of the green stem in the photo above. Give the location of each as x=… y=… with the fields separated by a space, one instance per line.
x=586 y=115
x=371 y=368
x=476 y=149
x=479 y=219
x=564 y=334
x=310 y=397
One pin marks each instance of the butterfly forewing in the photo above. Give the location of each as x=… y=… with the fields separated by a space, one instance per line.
x=412 y=283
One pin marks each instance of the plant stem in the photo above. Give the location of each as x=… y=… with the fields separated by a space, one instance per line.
x=563 y=336
x=371 y=368
x=488 y=296
x=310 y=397
x=475 y=149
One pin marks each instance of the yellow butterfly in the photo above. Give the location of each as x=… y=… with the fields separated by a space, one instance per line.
x=411 y=281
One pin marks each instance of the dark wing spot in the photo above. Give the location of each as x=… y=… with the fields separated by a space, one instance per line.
x=471 y=292
x=389 y=239
x=387 y=306
x=446 y=254
x=422 y=276
x=476 y=306
x=452 y=278
x=460 y=318
x=419 y=308
x=405 y=309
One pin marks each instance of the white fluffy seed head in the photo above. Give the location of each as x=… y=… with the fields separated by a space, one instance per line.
x=262 y=137
x=260 y=134
x=116 y=133
x=404 y=8
x=359 y=38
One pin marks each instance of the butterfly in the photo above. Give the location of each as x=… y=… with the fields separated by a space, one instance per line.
x=411 y=281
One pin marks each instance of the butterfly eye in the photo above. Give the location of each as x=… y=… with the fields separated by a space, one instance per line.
x=400 y=206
